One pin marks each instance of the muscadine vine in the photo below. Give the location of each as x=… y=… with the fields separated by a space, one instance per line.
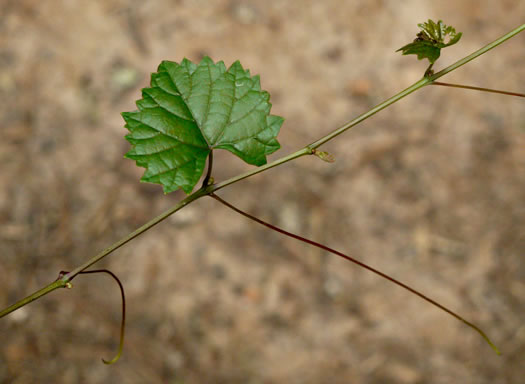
x=189 y=110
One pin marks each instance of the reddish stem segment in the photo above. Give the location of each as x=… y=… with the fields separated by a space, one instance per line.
x=479 y=89
x=361 y=264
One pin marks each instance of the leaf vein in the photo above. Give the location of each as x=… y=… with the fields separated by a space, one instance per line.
x=170 y=136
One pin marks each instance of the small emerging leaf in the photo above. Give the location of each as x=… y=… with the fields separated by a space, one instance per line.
x=325 y=156
x=188 y=111
x=429 y=41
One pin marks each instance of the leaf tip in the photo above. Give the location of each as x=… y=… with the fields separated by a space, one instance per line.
x=206 y=60
x=236 y=65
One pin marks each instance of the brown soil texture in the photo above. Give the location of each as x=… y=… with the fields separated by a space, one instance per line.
x=430 y=191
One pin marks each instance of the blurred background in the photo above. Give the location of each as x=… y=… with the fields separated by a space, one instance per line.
x=430 y=191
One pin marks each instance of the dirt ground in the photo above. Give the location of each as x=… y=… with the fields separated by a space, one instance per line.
x=430 y=191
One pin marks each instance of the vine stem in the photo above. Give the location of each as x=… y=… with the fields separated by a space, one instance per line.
x=208 y=189
x=163 y=216
x=359 y=263
x=34 y=296
x=65 y=279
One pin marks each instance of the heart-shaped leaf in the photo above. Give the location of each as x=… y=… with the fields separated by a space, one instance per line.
x=188 y=111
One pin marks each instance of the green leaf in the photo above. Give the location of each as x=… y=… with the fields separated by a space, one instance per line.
x=430 y=40
x=188 y=111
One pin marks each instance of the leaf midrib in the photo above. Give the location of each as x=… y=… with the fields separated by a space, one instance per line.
x=207 y=106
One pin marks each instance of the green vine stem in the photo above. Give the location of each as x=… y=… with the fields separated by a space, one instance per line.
x=308 y=150
x=34 y=296
x=64 y=281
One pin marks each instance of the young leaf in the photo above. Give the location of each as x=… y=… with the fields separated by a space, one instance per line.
x=430 y=40
x=192 y=109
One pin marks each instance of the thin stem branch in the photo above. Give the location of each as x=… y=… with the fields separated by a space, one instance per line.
x=359 y=263
x=302 y=152
x=479 y=89
x=421 y=83
x=414 y=87
x=163 y=216
x=478 y=53
x=36 y=295
x=64 y=280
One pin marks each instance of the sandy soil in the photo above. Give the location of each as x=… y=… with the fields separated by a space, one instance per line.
x=431 y=191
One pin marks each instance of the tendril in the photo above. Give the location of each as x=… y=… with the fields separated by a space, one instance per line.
x=361 y=264
x=123 y=321
x=490 y=90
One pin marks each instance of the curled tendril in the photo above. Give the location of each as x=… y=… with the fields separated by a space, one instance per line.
x=123 y=321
